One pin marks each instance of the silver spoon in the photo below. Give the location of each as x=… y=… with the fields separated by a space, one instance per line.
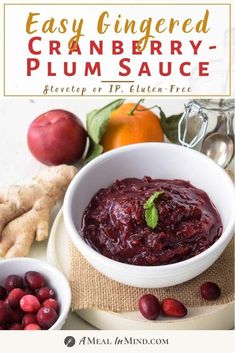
x=219 y=143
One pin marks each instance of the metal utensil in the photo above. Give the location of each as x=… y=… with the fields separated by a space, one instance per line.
x=219 y=143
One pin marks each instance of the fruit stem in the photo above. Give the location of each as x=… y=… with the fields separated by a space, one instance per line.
x=131 y=112
x=135 y=108
x=143 y=110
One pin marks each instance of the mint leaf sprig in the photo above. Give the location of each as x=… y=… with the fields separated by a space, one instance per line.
x=151 y=212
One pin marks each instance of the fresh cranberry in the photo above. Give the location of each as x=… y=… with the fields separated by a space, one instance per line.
x=5 y=313
x=13 y=281
x=16 y=315
x=28 y=290
x=210 y=291
x=29 y=303
x=14 y=297
x=45 y=293
x=16 y=326
x=46 y=317
x=149 y=306
x=173 y=307
x=32 y=327
x=34 y=280
x=3 y=293
x=51 y=303
x=29 y=319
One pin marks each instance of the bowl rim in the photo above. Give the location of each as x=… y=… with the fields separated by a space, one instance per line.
x=66 y=287
x=81 y=244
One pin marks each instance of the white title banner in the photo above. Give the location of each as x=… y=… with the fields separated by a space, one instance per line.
x=117 y=50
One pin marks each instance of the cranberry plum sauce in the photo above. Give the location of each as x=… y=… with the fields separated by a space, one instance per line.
x=114 y=222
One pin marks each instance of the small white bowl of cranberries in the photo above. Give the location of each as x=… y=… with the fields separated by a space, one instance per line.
x=33 y=295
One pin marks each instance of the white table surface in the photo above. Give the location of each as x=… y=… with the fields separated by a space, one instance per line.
x=19 y=166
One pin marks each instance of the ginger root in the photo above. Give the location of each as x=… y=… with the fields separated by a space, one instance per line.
x=25 y=209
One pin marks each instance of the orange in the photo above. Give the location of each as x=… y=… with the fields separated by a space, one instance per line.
x=125 y=128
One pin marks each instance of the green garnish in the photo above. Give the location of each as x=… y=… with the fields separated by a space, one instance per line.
x=170 y=125
x=97 y=121
x=151 y=212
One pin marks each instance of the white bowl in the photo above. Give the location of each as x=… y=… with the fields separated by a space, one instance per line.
x=55 y=279
x=158 y=160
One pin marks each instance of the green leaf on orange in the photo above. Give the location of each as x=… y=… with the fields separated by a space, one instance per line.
x=96 y=123
x=97 y=120
x=94 y=151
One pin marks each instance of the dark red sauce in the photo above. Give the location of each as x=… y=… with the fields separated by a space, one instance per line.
x=114 y=222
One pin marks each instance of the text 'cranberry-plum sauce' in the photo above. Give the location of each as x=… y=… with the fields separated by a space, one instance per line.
x=114 y=222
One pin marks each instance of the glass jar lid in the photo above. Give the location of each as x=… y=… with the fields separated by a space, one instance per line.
x=215 y=104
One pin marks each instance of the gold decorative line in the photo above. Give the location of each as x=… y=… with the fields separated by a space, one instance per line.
x=4 y=51
x=120 y=95
x=118 y=81
x=230 y=50
x=115 y=4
